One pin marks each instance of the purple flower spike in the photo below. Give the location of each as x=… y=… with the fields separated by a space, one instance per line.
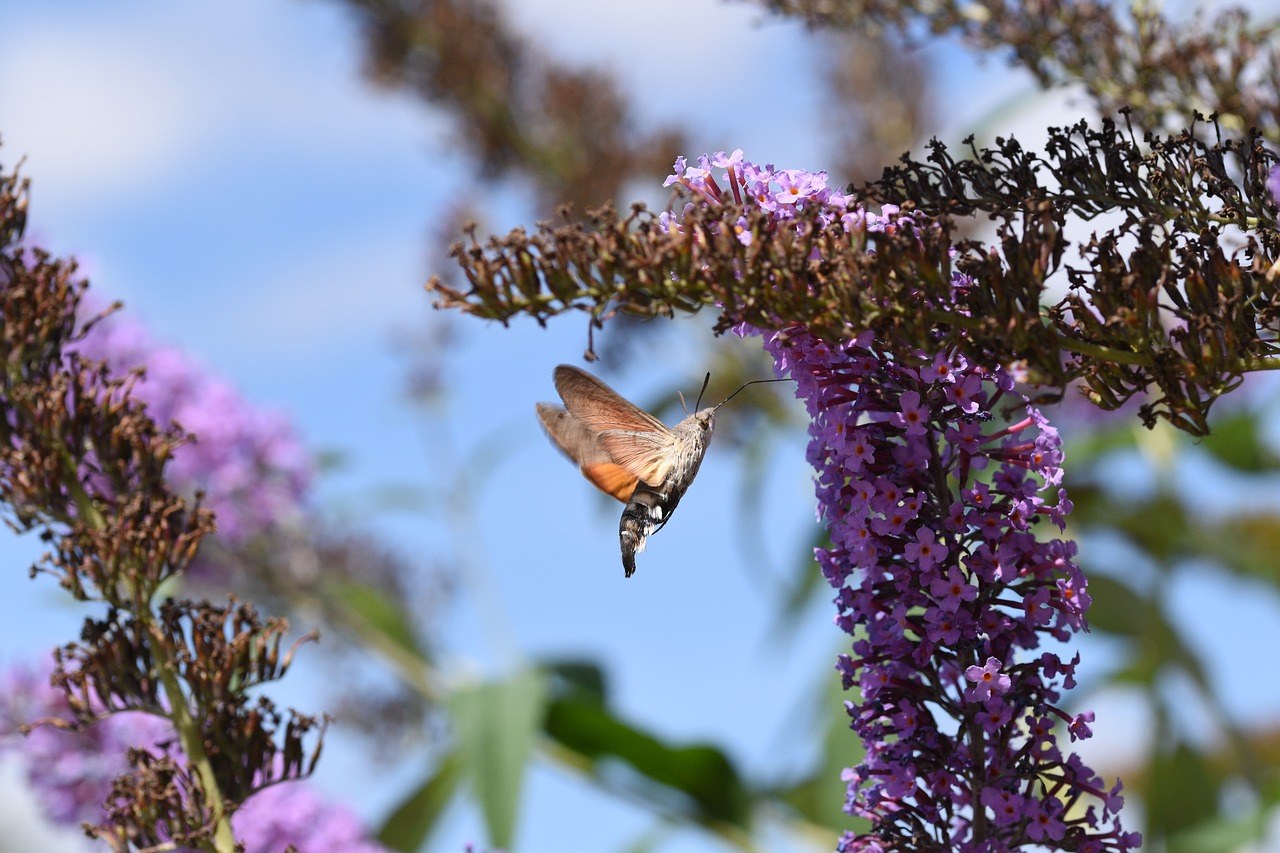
x=933 y=510
x=249 y=463
x=972 y=588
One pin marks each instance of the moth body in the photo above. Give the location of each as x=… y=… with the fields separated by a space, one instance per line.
x=650 y=507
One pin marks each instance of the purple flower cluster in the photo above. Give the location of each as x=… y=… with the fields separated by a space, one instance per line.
x=947 y=589
x=292 y=813
x=932 y=508
x=71 y=773
x=778 y=192
x=1273 y=184
x=249 y=463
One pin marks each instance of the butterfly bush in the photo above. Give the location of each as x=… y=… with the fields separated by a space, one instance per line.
x=71 y=772
x=249 y=463
x=934 y=475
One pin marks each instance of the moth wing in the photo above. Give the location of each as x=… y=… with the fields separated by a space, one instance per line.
x=583 y=446
x=646 y=455
x=611 y=479
x=599 y=407
x=630 y=436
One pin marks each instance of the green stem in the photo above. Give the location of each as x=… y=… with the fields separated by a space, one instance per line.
x=186 y=727
x=192 y=740
x=413 y=670
x=85 y=506
x=1102 y=353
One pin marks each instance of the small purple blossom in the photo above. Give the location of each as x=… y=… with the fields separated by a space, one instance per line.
x=987 y=680
x=1273 y=184
x=912 y=416
x=292 y=813
x=965 y=394
x=675 y=177
x=940 y=369
x=1045 y=824
x=1005 y=806
x=1079 y=726
x=953 y=590
x=925 y=550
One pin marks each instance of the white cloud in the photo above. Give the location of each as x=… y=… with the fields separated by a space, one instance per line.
x=92 y=113
x=341 y=295
x=136 y=98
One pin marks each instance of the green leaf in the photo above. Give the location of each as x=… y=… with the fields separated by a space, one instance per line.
x=1158 y=527
x=1117 y=608
x=699 y=781
x=1183 y=793
x=411 y=824
x=495 y=726
x=1220 y=835
x=1232 y=829
x=650 y=840
x=805 y=582
x=1246 y=544
x=1156 y=644
x=376 y=612
x=1236 y=441
x=579 y=676
x=1087 y=446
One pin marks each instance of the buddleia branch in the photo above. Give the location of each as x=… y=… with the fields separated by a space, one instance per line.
x=83 y=465
x=1120 y=55
x=1176 y=302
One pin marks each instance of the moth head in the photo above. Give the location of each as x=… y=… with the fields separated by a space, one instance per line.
x=706 y=419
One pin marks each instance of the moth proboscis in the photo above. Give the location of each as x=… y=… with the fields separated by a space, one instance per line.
x=628 y=453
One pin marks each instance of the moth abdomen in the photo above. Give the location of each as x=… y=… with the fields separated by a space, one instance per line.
x=647 y=510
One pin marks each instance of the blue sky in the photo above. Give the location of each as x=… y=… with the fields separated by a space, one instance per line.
x=223 y=169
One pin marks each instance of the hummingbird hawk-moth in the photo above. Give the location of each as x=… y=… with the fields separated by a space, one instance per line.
x=628 y=453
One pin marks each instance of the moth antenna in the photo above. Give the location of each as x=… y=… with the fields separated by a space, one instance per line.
x=744 y=385
x=705 y=383
x=682 y=405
